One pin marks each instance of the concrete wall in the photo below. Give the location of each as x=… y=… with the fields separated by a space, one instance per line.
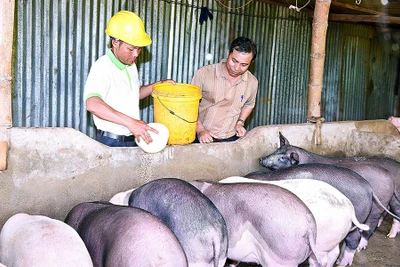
x=50 y=170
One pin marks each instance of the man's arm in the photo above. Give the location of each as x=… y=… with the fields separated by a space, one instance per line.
x=146 y=90
x=203 y=135
x=244 y=114
x=138 y=128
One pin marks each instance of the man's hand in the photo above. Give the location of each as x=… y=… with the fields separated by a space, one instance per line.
x=140 y=130
x=204 y=137
x=240 y=130
x=167 y=81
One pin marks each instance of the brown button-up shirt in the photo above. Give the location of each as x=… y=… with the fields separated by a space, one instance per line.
x=222 y=102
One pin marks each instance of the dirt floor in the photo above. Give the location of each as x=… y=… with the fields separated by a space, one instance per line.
x=381 y=251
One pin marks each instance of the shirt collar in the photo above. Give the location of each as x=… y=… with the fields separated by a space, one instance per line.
x=114 y=60
x=219 y=72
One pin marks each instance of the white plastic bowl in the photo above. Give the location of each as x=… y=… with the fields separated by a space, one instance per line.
x=159 y=140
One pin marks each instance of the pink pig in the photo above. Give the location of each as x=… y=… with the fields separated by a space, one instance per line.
x=395 y=121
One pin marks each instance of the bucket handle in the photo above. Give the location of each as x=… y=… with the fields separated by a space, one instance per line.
x=173 y=113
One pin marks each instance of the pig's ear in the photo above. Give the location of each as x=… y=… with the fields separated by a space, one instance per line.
x=283 y=140
x=294 y=158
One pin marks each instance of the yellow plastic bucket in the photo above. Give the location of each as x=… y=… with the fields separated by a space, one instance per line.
x=177 y=106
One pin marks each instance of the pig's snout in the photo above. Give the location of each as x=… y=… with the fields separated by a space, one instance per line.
x=264 y=161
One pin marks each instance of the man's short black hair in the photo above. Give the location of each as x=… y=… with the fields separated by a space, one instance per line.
x=244 y=44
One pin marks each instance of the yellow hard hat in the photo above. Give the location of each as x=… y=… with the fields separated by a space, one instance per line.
x=128 y=27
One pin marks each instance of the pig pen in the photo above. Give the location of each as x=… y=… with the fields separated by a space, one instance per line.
x=50 y=170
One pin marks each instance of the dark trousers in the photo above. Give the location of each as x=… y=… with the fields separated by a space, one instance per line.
x=113 y=140
x=229 y=139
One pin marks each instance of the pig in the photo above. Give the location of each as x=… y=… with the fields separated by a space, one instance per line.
x=121 y=198
x=360 y=191
x=125 y=236
x=267 y=224
x=333 y=212
x=37 y=240
x=196 y=222
x=382 y=173
x=395 y=121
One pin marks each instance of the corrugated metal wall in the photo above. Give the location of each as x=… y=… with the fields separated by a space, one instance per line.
x=57 y=41
x=359 y=75
x=383 y=91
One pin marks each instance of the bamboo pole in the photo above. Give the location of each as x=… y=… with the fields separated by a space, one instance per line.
x=318 y=41
x=6 y=47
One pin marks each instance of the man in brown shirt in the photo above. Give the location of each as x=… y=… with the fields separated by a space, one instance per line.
x=228 y=94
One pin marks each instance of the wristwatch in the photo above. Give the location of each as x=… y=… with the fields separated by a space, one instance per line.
x=240 y=120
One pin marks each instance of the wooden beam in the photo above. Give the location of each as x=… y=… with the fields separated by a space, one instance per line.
x=271 y=2
x=6 y=32
x=284 y=4
x=364 y=18
x=357 y=8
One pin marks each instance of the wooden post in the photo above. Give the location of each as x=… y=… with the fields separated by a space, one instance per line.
x=6 y=46
x=318 y=41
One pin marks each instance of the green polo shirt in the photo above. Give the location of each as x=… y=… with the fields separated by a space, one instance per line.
x=117 y=85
